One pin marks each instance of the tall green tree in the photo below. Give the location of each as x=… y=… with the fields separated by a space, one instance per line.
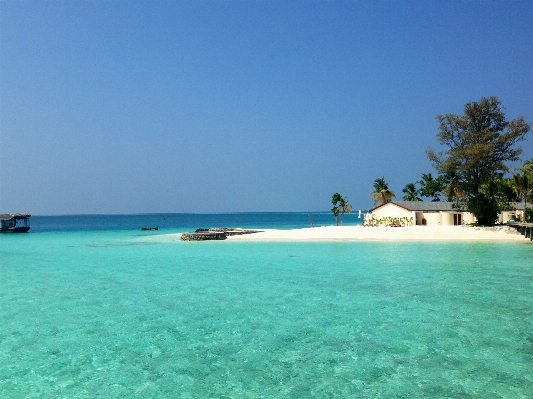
x=411 y=193
x=479 y=143
x=381 y=192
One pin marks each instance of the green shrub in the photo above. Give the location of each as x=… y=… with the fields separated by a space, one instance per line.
x=484 y=208
x=388 y=221
x=529 y=215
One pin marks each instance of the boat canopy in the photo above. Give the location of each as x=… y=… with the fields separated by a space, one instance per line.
x=14 y=216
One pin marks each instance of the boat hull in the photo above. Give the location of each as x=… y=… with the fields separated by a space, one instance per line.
x=21 y=229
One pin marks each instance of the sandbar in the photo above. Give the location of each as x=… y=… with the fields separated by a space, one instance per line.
x=410 y=233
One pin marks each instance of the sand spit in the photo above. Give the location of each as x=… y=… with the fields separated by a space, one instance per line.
x=411 y=233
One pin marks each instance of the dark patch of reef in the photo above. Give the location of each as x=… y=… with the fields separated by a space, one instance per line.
x=215 y=233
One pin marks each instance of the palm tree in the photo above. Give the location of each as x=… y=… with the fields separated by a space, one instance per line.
x=432 y=187
x=453 y=189
x=335 y=199
x=381 y=192
x=527 y=167
x=344 y=206
x=524 y=183
x=411 y=193
x=524 y=187
x=507 y=191
x=503 y=191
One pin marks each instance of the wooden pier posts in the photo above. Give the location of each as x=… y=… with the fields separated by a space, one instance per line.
x=526 y=229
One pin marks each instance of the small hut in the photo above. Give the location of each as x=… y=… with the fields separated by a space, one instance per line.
x=14 y=223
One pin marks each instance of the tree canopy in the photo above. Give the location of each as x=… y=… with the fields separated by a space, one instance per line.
x=432 y=187
x=411 y=193
x=381 y=192
x=479 y=143
x=340 y=205
x=523 y=183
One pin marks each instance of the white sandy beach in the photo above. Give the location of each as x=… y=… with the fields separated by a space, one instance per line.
x=411 y=233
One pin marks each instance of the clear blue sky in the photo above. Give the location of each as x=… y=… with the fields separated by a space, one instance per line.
x=154 y=106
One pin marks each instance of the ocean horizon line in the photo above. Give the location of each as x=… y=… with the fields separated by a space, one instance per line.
x=186 y=213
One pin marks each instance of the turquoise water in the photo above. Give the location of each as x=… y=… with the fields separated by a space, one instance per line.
x=123 y=314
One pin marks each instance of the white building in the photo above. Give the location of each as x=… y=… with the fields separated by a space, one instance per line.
x=435 y=213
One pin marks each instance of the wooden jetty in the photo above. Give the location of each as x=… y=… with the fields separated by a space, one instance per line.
x=526 y=229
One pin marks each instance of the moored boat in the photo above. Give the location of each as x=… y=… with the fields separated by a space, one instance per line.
x=14 y=223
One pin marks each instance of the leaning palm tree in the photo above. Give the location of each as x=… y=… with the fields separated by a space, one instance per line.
x=381 y=192
x=411 y=193
x=344 y=206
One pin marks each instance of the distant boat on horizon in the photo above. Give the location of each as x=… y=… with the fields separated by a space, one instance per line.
x=15 y=223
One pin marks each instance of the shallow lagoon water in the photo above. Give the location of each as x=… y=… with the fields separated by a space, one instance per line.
x=125 y=314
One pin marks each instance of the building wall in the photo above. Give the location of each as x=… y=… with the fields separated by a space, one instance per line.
x=442 y=218
x=433 y=218
x=447 y=218
x=391 y=211
x=468 y=218
x=506 y=216
x=413 y=216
